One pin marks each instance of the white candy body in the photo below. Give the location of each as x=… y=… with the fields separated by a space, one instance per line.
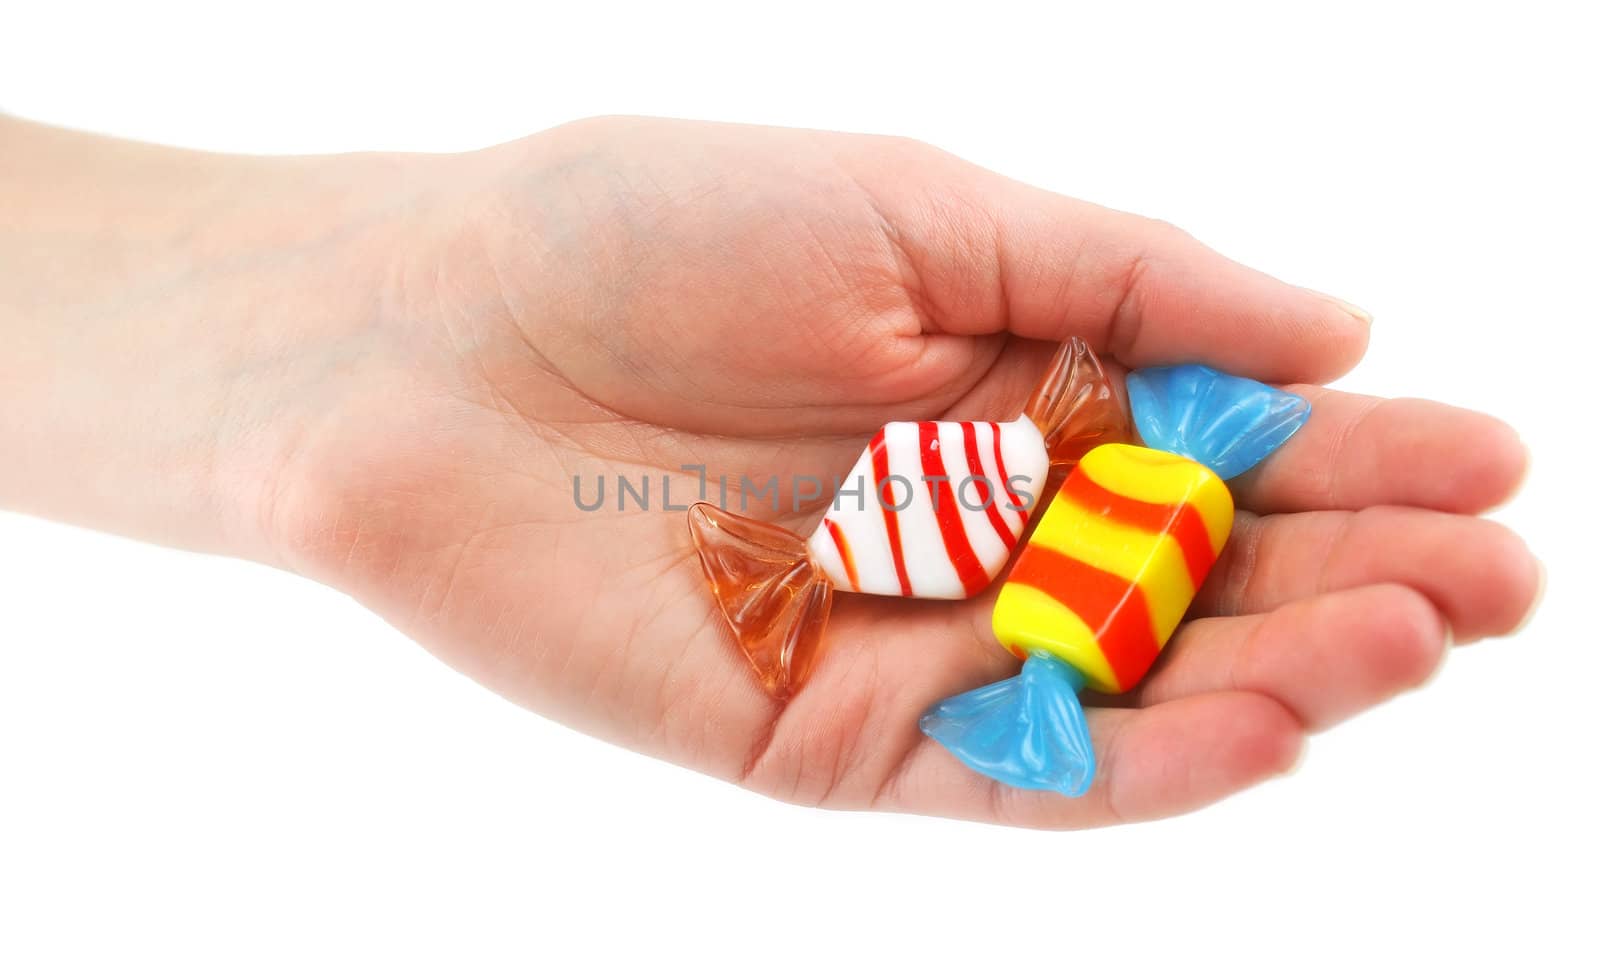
x=932 y=539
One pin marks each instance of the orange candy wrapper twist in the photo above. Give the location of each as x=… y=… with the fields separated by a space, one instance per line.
x=938 y=507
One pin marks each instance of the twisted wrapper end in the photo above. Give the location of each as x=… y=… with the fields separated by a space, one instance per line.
x=771 y=592
x=1075 y=406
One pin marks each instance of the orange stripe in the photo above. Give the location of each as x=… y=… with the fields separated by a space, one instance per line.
x=879 y=449
x=1182 y=522
x=969 y=439
x=1112 y=607
x=952 y=529
x=1000 y=466
x=843 y=545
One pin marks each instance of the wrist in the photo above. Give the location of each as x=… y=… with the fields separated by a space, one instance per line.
x=178 y=324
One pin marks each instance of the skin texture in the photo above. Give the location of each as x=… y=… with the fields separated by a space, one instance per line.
x=384 y=372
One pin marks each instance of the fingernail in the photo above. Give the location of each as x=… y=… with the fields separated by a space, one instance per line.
x=1438 y=669
x=1299 y=759
x=1354 y=311
x=1527 y=468
x=1538 y=598
x=1515 y=491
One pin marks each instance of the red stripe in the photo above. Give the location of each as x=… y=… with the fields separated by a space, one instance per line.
x=1112 y=607
x=969 y=437
x=1000 y=466
x=891 y=518
x=954 y=531
x=843 y=545
x=1182 y=521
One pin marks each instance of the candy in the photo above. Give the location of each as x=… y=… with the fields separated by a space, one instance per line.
x=1111 y=569
x=1114 y=562
x=922 y=540
x=930 y=509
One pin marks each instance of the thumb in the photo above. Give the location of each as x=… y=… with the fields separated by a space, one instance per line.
x=988 y=254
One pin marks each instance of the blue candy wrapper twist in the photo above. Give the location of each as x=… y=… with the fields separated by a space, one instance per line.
x=1028 y=731
x=1227 y=423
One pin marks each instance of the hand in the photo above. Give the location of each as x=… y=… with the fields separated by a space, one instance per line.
x=621 y=298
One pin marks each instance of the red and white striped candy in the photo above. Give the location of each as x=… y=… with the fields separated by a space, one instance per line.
x=955 y=497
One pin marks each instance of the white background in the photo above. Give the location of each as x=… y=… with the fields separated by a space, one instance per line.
x=207 y=766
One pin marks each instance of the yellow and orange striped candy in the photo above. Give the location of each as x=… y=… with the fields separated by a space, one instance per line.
x=1115 y=562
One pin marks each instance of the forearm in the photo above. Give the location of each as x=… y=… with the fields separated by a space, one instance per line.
x=163 y=313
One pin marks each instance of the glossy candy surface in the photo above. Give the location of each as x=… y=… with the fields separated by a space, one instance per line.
x=1022 y=731
x=1114 y=562
x=955 y=496
x=774 y=597
x=1110 y=571
x=1227 y=423
x=930 y=509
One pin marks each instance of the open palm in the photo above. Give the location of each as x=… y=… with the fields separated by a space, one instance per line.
x=630 y=297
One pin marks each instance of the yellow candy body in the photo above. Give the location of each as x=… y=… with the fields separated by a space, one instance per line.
x=1115 y=562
